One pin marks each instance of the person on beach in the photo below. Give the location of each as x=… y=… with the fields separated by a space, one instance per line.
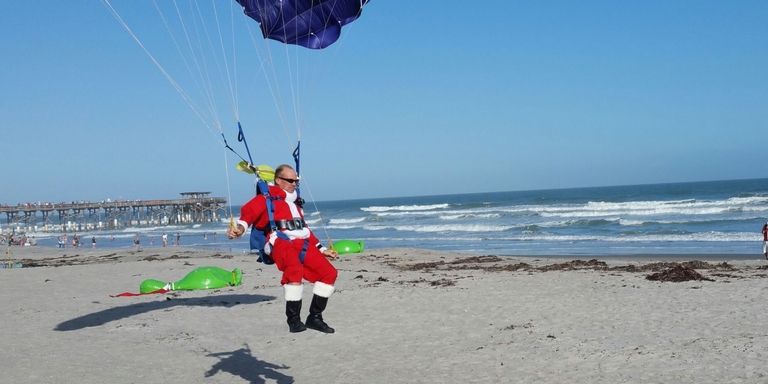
x=296 y=250
x=93 y=242
x=165 y=240
x=765 y=240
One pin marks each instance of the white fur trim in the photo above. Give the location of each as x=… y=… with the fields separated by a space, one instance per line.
x=293 y=291
x=323 y=290
x=244 y=224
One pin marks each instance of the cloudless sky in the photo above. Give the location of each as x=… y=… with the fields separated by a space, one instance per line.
x=417 y=98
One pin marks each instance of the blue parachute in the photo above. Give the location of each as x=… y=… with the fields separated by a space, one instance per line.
x=314 y=24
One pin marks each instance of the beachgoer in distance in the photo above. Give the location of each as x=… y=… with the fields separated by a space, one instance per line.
x=93 y=242
x=765 y=240
x=316 y=269
x=165 y=239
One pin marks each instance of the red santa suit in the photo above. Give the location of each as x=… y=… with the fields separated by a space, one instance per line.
x=315 y=268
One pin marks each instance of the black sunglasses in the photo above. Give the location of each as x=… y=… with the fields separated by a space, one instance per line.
x=292 y=181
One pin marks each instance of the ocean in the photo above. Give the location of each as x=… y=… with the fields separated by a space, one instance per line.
x=704 y=218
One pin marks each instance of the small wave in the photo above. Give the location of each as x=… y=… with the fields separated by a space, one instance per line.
x=692 y=237
x=458 y=216
x=442 y=228
x=347 y=221
x=691 y=207
x=428 y=207
x=403 y=214
x=579 y=222
x=166 y=228
x=630 y=222
x=342 y=226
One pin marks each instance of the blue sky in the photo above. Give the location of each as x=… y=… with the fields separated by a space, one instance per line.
x=417 y=98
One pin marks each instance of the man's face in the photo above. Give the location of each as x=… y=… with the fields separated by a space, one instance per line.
x=287 y=180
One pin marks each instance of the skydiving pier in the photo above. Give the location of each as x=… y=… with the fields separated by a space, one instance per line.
x=192 y=207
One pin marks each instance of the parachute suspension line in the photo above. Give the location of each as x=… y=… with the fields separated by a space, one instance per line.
x=241 y=138
x=335 y=52
x=203 y=83
x=202 y=25
x=293 y=78
x=234 y=61
x=178 y=46
x=235 y=109
x=159 y=66
x=226 y=146
x=198 y=57
x=293 y=87
x=229 y=190
x=270 y=75
x=319 y=215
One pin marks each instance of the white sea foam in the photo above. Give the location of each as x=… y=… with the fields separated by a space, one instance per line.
x=342 y=226
x=404 y=214
x=167 y=228
x=405 y=208
x=650 y=208
x=458 y=216
x=630 y=222
x=441 y=228
x=465 y=211
x=693 y=237
x=347 y=221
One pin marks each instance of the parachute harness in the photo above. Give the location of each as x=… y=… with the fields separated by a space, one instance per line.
x=258 y=238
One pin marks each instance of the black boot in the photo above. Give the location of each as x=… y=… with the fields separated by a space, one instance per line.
x=293 y=312
x=315 y=318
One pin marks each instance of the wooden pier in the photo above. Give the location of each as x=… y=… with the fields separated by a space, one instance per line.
x=192 y=207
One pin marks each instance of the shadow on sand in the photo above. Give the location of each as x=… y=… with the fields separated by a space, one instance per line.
x=243 y=364
x=116 y=313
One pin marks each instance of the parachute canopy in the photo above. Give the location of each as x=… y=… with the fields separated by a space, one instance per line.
x=314 y=24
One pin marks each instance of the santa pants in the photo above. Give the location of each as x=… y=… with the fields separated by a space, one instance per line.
x=315 y=268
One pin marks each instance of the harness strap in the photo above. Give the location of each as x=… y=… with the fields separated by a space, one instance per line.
x=303 y=252
x=273 y=226
x=304 y=247
x=297 y=162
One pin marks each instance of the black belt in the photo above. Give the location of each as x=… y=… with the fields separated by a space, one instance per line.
x=290 y=224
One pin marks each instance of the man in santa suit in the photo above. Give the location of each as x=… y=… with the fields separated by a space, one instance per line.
x=295 y=250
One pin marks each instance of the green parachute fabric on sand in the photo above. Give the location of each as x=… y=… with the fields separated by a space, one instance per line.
x=200 y=278
x=348 y=246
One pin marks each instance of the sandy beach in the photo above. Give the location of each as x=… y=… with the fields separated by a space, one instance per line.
x=401 y=316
